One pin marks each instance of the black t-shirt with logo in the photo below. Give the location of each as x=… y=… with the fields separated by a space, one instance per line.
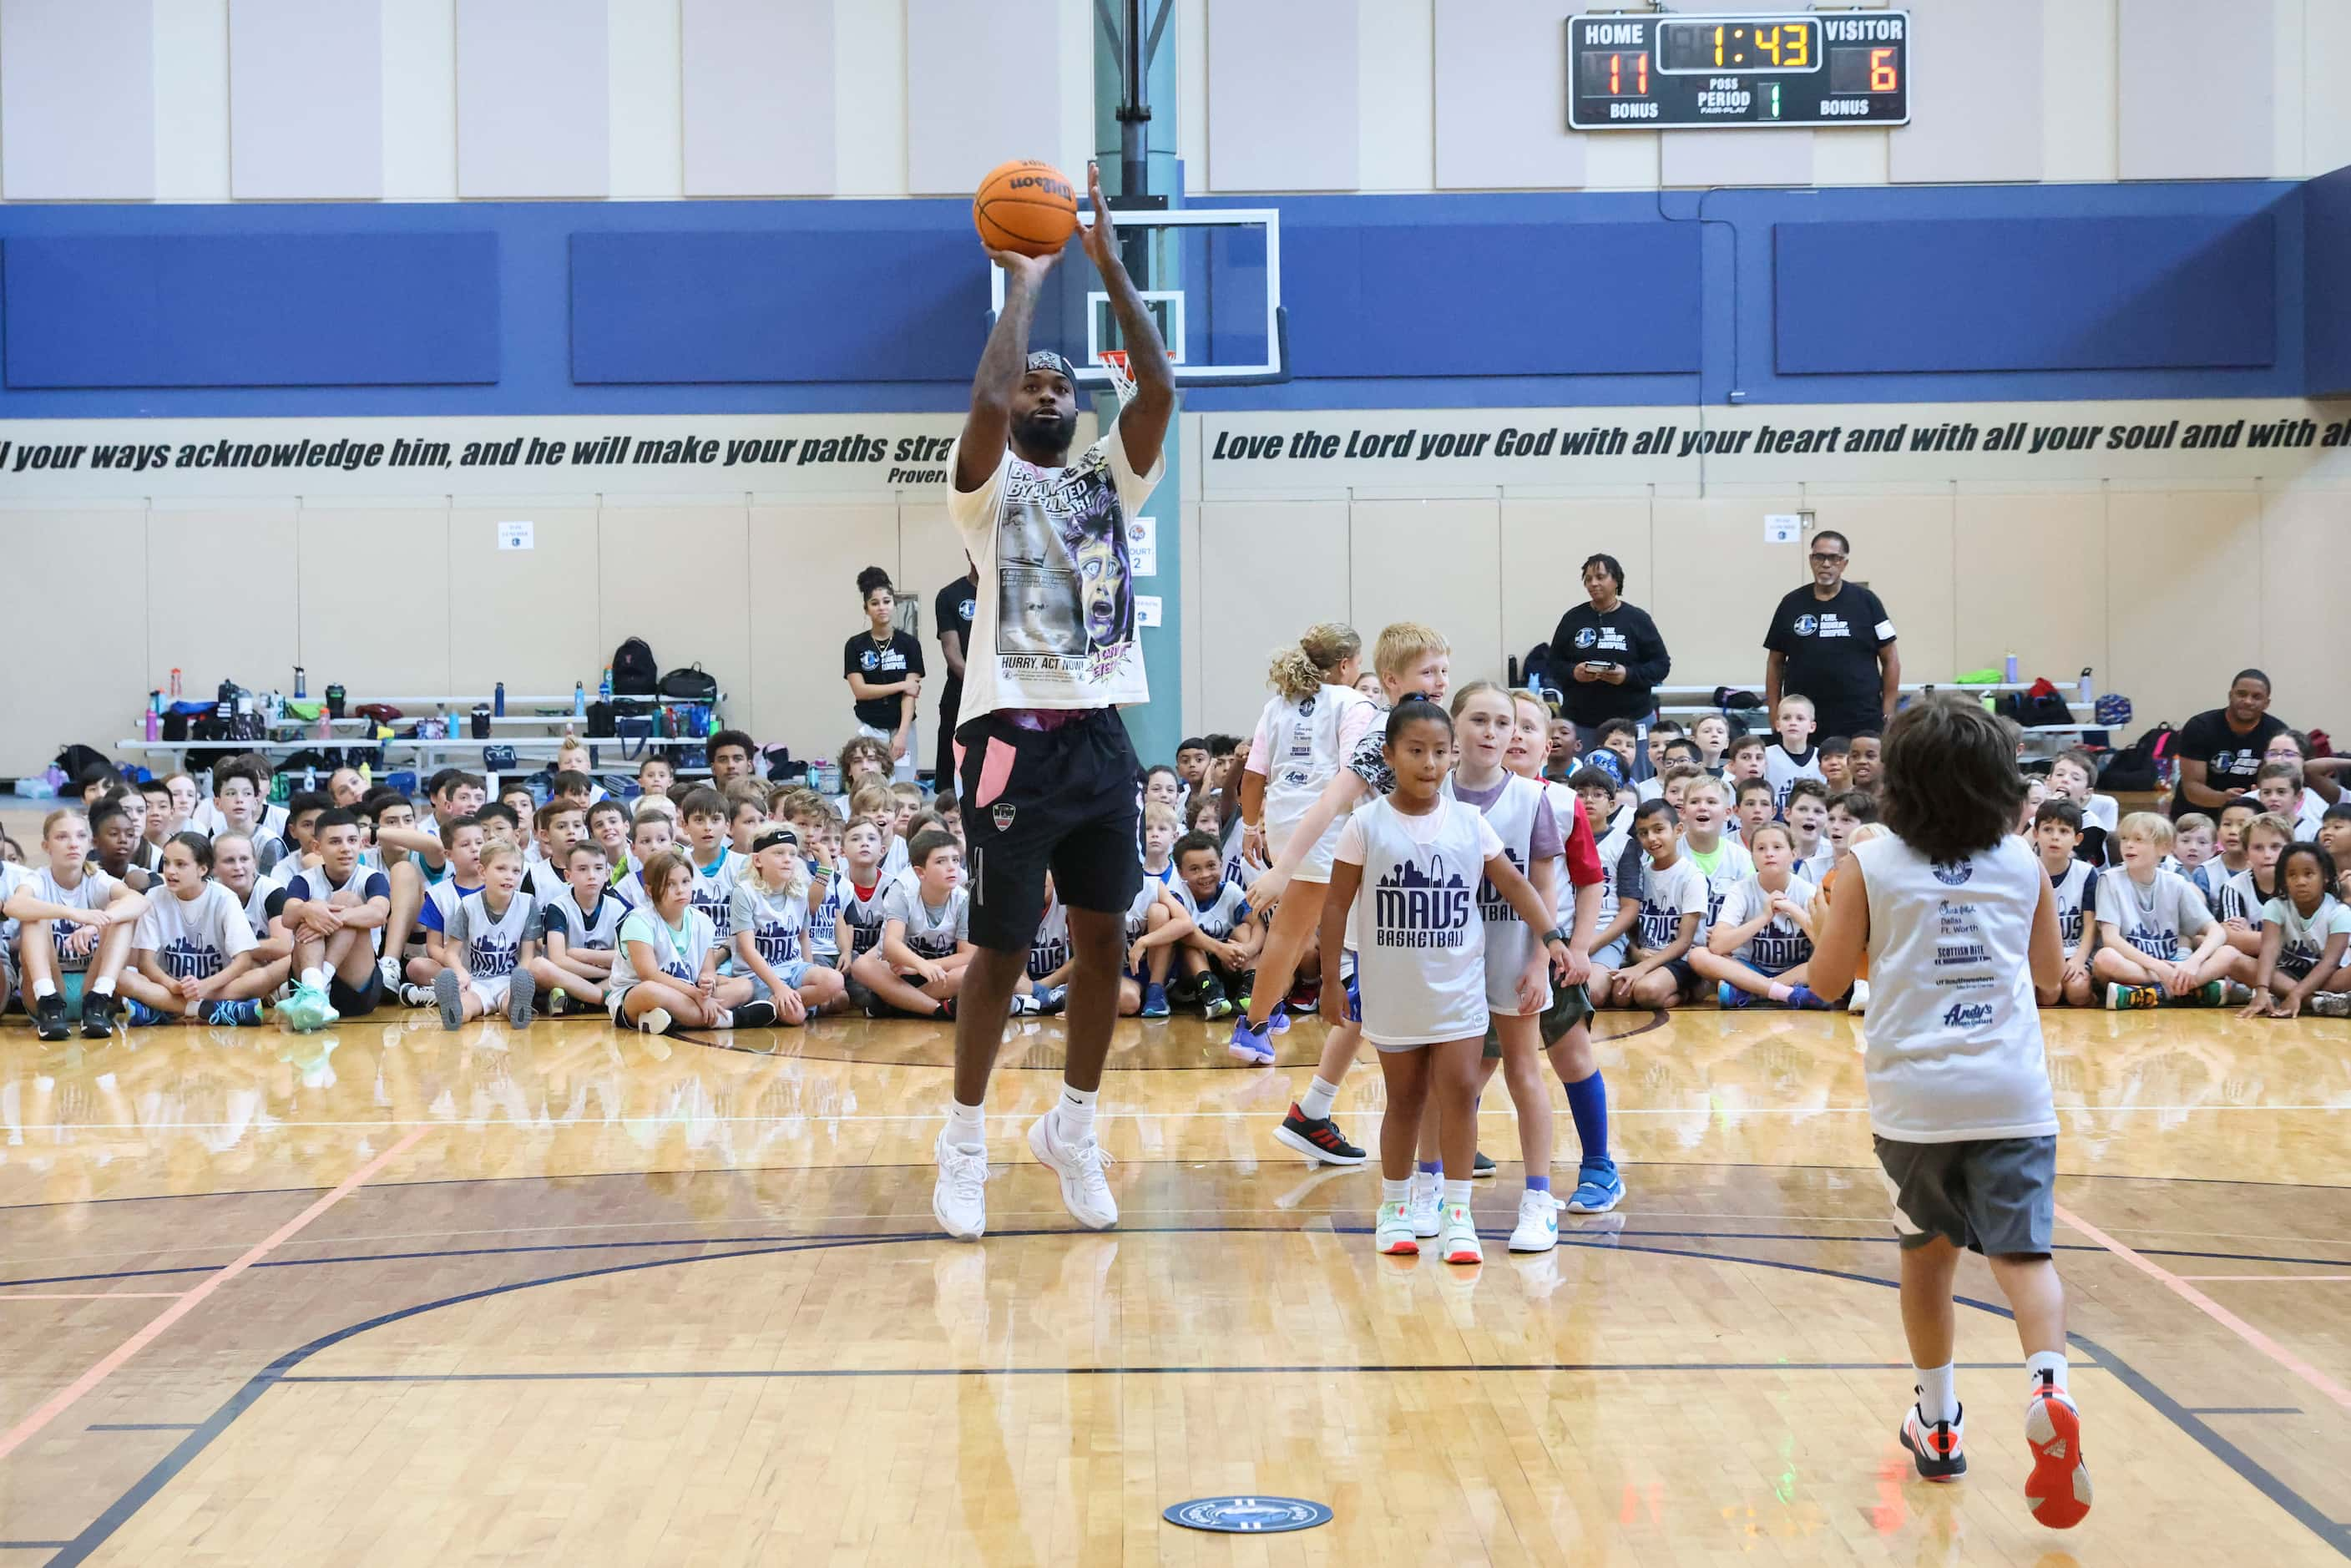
x=2230 y=759
x=957 y=603
x=881 y=664
x=1831 y=647
x=1626 y=636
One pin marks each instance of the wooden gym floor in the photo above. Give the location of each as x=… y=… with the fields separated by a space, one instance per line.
x=391 y=1295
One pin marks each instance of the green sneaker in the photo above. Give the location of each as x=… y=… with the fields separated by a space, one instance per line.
x=308 y=1010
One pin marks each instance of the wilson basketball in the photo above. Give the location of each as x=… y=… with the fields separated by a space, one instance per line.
x=1025 y=205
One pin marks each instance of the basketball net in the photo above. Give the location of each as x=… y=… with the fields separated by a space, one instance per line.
x=1121 y=378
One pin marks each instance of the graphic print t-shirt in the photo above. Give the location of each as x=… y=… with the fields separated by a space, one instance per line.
x=1056 y=621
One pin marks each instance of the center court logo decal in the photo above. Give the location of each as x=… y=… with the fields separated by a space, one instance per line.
x=1247 y=1515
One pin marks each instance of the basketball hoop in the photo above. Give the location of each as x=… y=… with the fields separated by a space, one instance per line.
x=1121 y=378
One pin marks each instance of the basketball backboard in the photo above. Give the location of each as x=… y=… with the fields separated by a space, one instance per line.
x=1213 y=282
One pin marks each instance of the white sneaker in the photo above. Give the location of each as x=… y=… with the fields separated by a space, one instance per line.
x=1392 y=1232
x=1860 y=1002
x=1425 y=1206
x=960 y=1201
x=1080 y=1166
x=1538 y=1228
x=1460 y=1244
x=389 y=967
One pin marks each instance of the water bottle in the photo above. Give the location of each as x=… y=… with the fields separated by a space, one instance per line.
x=175 y=683
x=310 y=779
x=302 y=684
x=604 y=687
x=326 y=725
x=2085 y=684
x=2008 y=670
x=154 y=725
x=579 y=699
x=498 y=701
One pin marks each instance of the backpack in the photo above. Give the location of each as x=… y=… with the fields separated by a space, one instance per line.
x=690 y=685
x=75 y=760
x=635 y=673
x=2137 y=766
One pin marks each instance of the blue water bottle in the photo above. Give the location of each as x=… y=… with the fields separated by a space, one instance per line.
x=579 y=699
x=2008 y=670
x=302 y=684
x=498 y=701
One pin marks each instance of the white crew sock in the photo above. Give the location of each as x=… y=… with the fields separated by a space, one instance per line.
x=44 y=988
x=1457 y=1192
x=1075 y=1114
x=964 y=1126
x=1396 y=1191
x=315 y=977
x=2048 y=1361
x=1320 y=1098
x=102 y=986
x=1939 y=1392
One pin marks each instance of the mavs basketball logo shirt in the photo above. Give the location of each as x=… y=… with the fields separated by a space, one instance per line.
x=1421 y=941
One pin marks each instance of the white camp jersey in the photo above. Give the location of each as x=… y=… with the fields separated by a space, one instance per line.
x=1508 y=941
x=193 y=938
x=864 y=911
x=1303 y=751
x=1056 y=621
x=1138 y=914
x=677 y=952
x=12 y=877
x=316 y=886
x=1422 y=962
x=2240 y=899
x=598 y=928
x=1049 y=949
x=1666 y=896
x=2075 y=891
x=1612 y=862
x=1216 y=916
x=2154 y=918
x=932 y=932
x=714 y=887
x=1735 y=867
x=1814 y=867
x=1562 y=812
x=494 y=942
x=778 y=922
x=1780 y=945
x=2308 y=812
x=1954 y=1036
x=2306 y=939
x=824 y=921
x=256 y=906
x=96 y=890
x=1782 y=768
x=543 y=880
x=441 y=899
x=207 y=819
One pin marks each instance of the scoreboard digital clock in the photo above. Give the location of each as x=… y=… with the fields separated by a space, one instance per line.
x=1665 y=72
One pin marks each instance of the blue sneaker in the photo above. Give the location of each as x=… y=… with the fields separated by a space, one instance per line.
x=140 y=1015
x=1803 y=997
x=1052 y=999
x=1250 y=1046
x=1730 y=996
x=1154 y=1002
x=233 y=1015
x=1354 y=1001
x=1279 y=1022
x=1598 y=1188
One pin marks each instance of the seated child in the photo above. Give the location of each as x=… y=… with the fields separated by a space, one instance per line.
x=1219 y=956
x=335 y=911
x=1834 y=755
x=2243 y=895
x=1157 y=923
x=292 y=851
x=464 y=842
x=865 y=763
x=114 y=841
x=1619 y=867
x=650 y=834
x=1762 y=938
x=1712 y=734
x=1663 y=925
x=573 y=785
x=1746 y=760
x=1165 y=785
x=239 y=792
x=655 y=774
x=2334 y=838
x=1718 y=857
x=185 y=797
x=347 y=786
x=192 y=953
x=1865 y=760
x=879 y=806
x=1049 y=960
x=234 y=868
x=2071 y=777
x=1754 y=804
x=2056 y=830
x=491 y=938
x=159 y=828
x=747 y=814
x=775 y=900
x=860 y=887
x=715 y=864
x=579 y=933
x=608 y=828
x=666 y=970
x=2278 y=787
x=558 y=825
x=2144 y=912
x=2306 y=932
x=1807 y=813
x=918 y=968
x=75 y=926
x=1159 y=832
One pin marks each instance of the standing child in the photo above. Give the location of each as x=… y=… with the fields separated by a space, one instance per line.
x=2073 y=885
x=1793 y=754
x=1761 y=937
x=2305 y=930
x=192 y=956
x=75 y=927
x=1960 y=927
x=773 y=906
x=492 y=937
x=2142 y=913
x=1666 y=922
x=666 y=973
x=1423 y=964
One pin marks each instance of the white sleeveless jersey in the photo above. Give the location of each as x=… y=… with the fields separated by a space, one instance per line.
x=598 y=928
x=1049 y=949
x=494 y=942
x=1508 y=942
x=543 y=882
x=193 y=938
x=1422 y=959
x=1781 y=943
x=315 y=886
x=932 y=932
x=678 y=955
x=1301 y=755
x=1216 y=916
x=2074 y=893
x=257 y=907
x=1138 y=914
x=864 y=911
x=1955 y=1050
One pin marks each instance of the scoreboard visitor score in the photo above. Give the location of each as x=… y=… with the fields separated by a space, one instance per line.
x=1662 y=72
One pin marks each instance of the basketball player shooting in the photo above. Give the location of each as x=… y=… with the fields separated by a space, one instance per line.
x=1046 y=771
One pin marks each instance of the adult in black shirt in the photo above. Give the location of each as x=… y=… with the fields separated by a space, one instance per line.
x=884 y=667
x=1606 y=655
x=953 y=611
x=1833 y=642
x=2220 y=748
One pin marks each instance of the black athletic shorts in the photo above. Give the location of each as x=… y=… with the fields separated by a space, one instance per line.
x=1061 y=800
x=354 y=1003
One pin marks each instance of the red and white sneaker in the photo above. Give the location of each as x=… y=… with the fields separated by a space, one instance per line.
x=2059 y=1487
x=1938 y=1446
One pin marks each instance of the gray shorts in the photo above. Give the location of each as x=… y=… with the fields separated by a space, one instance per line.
x=1993 y=1195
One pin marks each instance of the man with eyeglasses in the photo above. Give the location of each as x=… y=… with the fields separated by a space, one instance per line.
x=1832 y=642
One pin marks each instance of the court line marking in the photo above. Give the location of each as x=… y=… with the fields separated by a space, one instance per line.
x=2246 y=1410
x=141 y=1427
x=2289 y=1502
x=194 y=1297
x=93 y=1296
x=2212 y=1309
x=1448 y=1367
x=2267 y=1278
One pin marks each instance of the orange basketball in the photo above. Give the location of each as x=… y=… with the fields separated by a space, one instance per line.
x=1025 y=205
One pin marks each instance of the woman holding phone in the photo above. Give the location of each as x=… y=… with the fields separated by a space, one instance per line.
x=1606 y=655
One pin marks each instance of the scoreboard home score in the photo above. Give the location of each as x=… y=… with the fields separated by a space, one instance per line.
x=1662 y=72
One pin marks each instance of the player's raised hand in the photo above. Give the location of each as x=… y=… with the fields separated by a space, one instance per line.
x=1101 y=236
x=1020 y=267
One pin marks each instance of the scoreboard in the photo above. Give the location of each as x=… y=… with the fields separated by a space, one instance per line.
x=1664 y=72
